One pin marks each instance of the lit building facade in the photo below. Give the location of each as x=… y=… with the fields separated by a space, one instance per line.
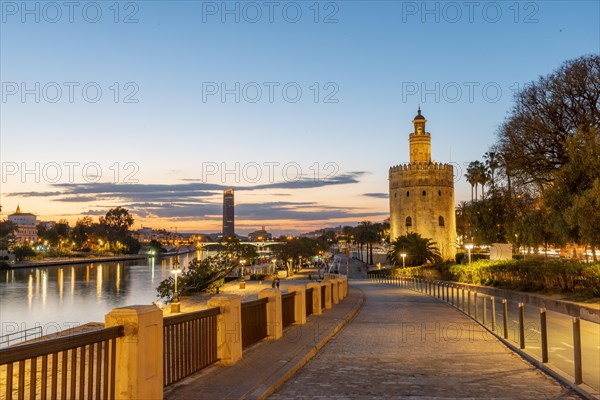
x=422 y=194
x=26 y=226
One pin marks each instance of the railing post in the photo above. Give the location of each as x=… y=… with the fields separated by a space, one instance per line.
x=484 y=308
x=274 y=312
x=139 y=354
x=447 y=293
x=335 y=298
x=229 y=327
x=521 y=326
x=469 y=301
x=577 y=351
x=475 y=304
x=493 y=309
x=316 y=296
x=463 y=298
x=328 y=302
x=544 y=335
x=505 y=317
x=299 y=303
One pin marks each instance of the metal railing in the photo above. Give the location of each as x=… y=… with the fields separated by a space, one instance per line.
x=79 y=366
x=254 y=321
x=190 y=343
x=288 y=309
x=487 y=310
x=309 y=301
x=21 y=336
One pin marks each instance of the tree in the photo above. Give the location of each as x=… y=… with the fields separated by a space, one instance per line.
x=418 y=250
x=114 y=228
x=117 y=219
x=82 y=231
x=492 y=163
x=23 y=252
x=200 y=276
x=546 y=113
x=7 y=234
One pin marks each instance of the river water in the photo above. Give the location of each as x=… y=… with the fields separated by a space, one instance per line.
x=61 y=297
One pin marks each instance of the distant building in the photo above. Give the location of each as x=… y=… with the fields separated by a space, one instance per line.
x=260 y=235
x=26 y=226
x=422 y=194
x=228 y=214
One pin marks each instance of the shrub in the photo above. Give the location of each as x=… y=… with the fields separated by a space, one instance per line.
x=258 y=277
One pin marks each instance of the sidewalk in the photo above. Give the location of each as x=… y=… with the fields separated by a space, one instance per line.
x=268 y=364
x=407 y=345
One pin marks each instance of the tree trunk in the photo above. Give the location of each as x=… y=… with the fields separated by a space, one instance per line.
x=476 y=185
x=471 y=193
x=371 y=246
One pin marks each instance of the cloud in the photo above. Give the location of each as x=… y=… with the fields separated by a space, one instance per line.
x=377 y=195
x=190 y=191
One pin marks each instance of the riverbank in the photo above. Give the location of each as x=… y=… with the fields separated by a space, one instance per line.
x=73 y=260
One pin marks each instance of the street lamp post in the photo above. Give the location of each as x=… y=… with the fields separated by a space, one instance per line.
x=469 y=246
x=175 y=305
x=403 y=255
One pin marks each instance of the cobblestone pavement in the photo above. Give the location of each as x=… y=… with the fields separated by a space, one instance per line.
x=406 y=345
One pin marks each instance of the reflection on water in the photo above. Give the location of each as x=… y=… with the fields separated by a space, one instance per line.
x=36 y=296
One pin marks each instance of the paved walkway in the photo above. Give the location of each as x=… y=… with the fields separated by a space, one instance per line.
x=404 y=344
x=268 y=364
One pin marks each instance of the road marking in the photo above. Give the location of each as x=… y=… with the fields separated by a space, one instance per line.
x=567 y=344
x=553 y=349
x=535 y=330
x=564 y=358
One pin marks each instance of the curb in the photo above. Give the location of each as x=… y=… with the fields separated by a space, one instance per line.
x=294 y=365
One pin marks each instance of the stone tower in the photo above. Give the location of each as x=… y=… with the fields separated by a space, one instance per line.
x=422 y=194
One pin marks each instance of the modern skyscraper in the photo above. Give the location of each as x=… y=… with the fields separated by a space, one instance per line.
x=228 y=214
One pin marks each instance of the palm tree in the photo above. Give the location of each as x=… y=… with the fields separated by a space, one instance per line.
x=419 y=250
x=471 y=179
x=492 y=163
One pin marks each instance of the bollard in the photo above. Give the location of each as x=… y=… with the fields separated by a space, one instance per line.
x=521 y=326
x=493 y=309
x=484 y=310
x=577 y=350
x=544 y=334
x=475 y=304
x=505 y=317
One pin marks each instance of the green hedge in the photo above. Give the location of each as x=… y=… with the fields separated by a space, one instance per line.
x=524 y=275
x=463 y=258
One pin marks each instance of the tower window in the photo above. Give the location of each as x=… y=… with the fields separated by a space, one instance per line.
x=408 y=221
x=441 y=221
x=395 y=195
x=424 y=192
x=440 y=192
x=407 y=194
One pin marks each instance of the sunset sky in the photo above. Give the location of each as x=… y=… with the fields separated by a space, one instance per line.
x=301 y=107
